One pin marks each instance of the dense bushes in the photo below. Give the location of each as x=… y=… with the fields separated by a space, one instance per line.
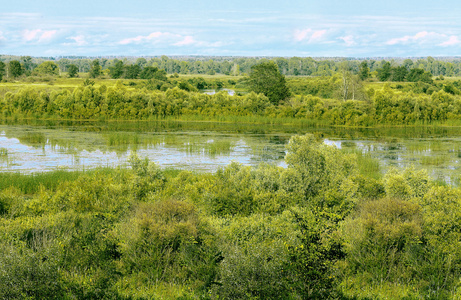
x=415 y=103
x=313 y=230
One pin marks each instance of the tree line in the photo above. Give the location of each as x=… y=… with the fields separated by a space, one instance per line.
x=294 y=66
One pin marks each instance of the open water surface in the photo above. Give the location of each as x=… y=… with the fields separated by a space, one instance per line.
x=45 y=146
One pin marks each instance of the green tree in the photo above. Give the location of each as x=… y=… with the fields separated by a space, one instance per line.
x=141 y=62
x=2 y=69
x=399 y=73
x=27 y=62
x=265 y=78
x=364 y=71
x=384 y=73
x=132 y=71
x=417 y=74
x=117 y=70
x=48 y=67
x=15 y=69
x=72 y=71
x=153 y=72
x=346 y=79
x=95 y=70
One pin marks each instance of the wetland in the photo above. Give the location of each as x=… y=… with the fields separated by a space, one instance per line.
x=39 y=146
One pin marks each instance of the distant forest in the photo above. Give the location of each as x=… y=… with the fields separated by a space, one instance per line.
x=293 y=66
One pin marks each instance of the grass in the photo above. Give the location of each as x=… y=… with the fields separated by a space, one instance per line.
x=33 y=139
x=30 y=184
x=251 y=120
x=211 y=148
x=433 y=160
x=368 y=166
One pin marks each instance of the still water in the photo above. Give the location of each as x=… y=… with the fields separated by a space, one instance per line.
x=44 y=146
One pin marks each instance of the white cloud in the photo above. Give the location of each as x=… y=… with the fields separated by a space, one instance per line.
x=148 y=38
x=188 y=40
x=420 y=37
x=348 y=39
x=29 y=35
x=47 y=35
x=38 y=35
x=79 y=40
x=452 y=41
x=2 y=38
x=168 y=38
x=310 y=35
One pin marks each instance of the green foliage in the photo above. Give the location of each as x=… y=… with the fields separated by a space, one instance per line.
x=231 y=192
x=265 y=78
x=153 y=73
x=406 y=185
x=405 y=104
x=166 y=241
x=255 y=261
x=95 y=70
x=417 y=74
x=117 y=70
x=29 y=273
x=15 y=69
x=72 y=71
x=2 y=69
x=364 y=71
x=47 y=67
x=381 y=241
x=313 y=259
x=313 y=230
x=384 y=73
x=399 y=73
x=321 y=172
x=132 y=71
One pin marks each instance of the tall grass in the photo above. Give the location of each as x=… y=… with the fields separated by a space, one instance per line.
x=368 y=166
x=211 y=148
x=31 y=183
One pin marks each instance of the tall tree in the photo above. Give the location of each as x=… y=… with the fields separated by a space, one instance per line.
x=27 y=63
x=364 y=71
x=15 y=69
x=2 y=69
x=346 y=78
x=265 y=78
x=72 y=71
x=384 y=73
x=47 y=67
x=117 y=70
x=132 y=71
x=399 y=73
x=142 y=62
x=95 y=70
x=417 y=74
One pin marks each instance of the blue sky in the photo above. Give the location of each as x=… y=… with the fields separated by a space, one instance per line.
x=388 y=28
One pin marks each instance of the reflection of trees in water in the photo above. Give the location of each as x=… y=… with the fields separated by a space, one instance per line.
x=437 y=148
x=33 y=139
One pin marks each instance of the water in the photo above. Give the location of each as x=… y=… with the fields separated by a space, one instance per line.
x=213 y=91
x=29 y=148
x=36 y=148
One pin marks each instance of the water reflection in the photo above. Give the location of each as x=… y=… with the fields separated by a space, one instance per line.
x=41 y=146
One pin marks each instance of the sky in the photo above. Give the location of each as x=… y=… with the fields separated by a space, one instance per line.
x=305 y=28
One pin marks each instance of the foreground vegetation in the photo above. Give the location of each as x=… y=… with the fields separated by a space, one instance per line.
x=317 y=229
